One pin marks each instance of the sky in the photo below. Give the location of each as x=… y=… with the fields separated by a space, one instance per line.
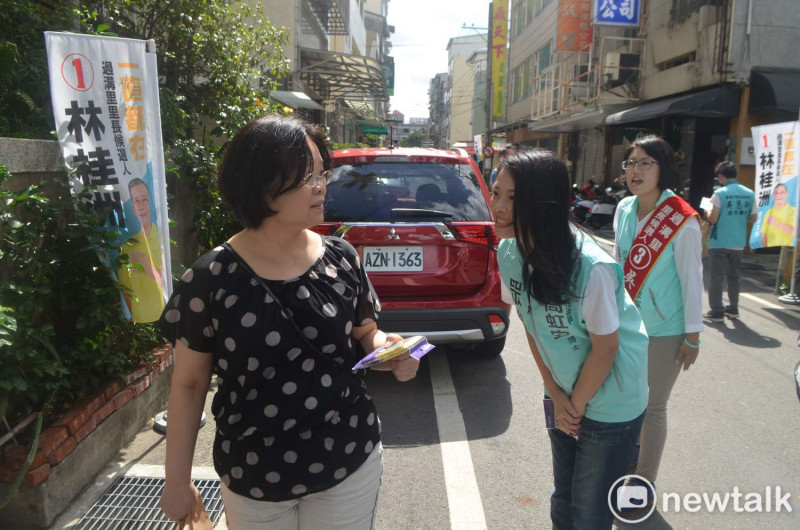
x=419 y=45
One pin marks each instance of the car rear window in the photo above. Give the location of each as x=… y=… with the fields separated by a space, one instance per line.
x=403 y=191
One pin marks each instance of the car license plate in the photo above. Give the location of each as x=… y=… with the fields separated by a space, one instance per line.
x=392 y=259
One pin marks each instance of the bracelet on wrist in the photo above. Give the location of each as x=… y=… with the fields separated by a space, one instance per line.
x=695 y=346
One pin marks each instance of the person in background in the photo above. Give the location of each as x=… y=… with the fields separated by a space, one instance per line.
x=733 y=206
x=583 y=330
x=280 y=314
x=588 y=190
x=658 y=241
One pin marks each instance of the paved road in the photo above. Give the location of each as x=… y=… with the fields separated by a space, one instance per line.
x=465 y=445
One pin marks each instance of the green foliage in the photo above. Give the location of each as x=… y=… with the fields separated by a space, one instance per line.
x=414 y=140
x=219 y=60
x=62 y=333
x=25 y=110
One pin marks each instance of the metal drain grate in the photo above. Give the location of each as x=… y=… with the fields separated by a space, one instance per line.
x=132 y=503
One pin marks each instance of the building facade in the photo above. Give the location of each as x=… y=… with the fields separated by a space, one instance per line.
x=337 y=51
x=460 y=90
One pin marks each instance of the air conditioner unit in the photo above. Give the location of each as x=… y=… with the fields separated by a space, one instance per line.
x=619 y=67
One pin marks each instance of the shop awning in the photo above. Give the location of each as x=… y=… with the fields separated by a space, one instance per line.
x=569 y=123
x=373 y=129
x=296 y=100
x=363 y=110
x=774 y=89
x=719 y=102
x=340 y=75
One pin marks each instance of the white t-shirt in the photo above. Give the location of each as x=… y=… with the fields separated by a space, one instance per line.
x=688 y=248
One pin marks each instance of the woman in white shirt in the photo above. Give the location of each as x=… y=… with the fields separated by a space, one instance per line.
x=673 y=317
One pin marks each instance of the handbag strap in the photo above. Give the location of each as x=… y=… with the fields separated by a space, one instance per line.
x=286 y=313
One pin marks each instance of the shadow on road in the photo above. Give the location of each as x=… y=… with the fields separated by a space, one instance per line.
x=743 y=335
x=407 y=410
x=654 y=522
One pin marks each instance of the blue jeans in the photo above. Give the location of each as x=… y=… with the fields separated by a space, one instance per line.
x=584 y=470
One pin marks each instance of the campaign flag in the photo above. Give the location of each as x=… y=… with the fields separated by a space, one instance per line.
x=104 y=92
x=776 y=185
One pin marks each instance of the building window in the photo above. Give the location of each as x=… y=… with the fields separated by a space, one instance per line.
x=682 y=9
x=541 y=65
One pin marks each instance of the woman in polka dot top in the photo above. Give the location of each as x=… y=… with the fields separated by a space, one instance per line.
x=298 y=438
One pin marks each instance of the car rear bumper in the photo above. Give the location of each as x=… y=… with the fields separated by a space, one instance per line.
x=444 y=326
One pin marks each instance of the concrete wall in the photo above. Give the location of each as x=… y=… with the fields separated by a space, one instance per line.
x=667 y=41
x=774 y=33
x=282 y=13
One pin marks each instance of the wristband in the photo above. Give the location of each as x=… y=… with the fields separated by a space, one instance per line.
x=695 y=346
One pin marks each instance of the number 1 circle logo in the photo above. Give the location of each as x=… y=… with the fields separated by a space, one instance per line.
x=77 y=71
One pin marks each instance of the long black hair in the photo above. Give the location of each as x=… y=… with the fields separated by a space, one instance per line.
x=542 y=226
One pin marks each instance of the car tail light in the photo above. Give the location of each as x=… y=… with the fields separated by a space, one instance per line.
x=475 y=233
x=325 y=229
x=497 y=323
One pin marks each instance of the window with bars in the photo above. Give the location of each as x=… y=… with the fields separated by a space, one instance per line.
x=682 y=9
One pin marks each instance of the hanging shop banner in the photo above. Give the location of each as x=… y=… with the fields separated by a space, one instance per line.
x=104 y=92
x=776 y=185
x=574 y=29
x=499 y=40
x=388 y=75
x=617 y=12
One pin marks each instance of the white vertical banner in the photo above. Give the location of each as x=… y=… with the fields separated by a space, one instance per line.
x=104 y=92
x=776 y=184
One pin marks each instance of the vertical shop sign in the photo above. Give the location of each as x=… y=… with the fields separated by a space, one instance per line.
x=104 y=92
x=499 y=40
x=776 y=185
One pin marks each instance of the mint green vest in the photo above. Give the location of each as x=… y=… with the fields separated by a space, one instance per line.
x=736 y=203
x=660 y=300
x=564 y=343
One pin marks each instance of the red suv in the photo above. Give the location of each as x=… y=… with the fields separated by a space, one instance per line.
x=420 y=221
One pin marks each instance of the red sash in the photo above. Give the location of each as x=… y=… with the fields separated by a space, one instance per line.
x=648 y=246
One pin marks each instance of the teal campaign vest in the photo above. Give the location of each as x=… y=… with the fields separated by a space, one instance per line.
x=736 y=203
x=563 y=341
x=660 y=300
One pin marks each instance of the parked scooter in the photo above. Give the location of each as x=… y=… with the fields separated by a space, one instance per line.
x=602 y=211
x=581 y=207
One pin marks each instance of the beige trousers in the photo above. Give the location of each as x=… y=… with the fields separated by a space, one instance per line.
x=662 y=372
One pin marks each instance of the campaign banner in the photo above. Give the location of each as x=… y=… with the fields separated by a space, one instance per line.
x=776 y=185
x=104 y=92
x=499 y=40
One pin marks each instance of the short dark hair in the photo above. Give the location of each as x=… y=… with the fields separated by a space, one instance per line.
x=541 y=222
x=267 y=158
x=726 y=169
x=136 y=181
x=658 y=149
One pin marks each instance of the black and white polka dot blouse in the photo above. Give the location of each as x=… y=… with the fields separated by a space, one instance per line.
x=289 y=422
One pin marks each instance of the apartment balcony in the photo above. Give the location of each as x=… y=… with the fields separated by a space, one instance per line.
x=580 y=89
